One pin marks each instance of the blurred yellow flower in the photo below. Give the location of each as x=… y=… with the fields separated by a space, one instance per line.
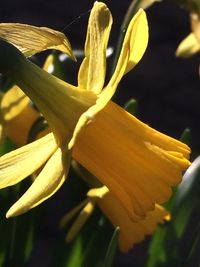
x=191 y=44
x=16 y=113
x=137 y=163
x=131 y=232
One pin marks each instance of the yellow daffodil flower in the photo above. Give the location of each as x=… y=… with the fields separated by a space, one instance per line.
x=191 y=44
x=131 y=232
x=137 y=163
x=16 y=113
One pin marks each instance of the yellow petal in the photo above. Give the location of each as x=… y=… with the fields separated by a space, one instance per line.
x=133 y=48
x=61 y=103
x=195 y=25
x=93 y=68
x=97 y=192
x=81 y=219
x=13 y=102
x=141 y=229
x=18 y=164
x=131 y=232
x=45 y=185
x=24 y=121
x=188 y=47
x=72 y=213
x=137 y=163
x=48 y=64
x=31 y=40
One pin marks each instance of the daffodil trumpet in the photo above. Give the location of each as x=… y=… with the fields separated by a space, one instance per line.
x=138 y=164
x=131 y=232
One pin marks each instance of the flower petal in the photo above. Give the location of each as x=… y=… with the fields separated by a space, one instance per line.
x=45 y=185
x=81 y=219
x=133 y=48
x=195 y=25
x=13 y=102
x=31 y=39
x=24 y=121
x=97 y=192
x=93 y=68
x=43 y=89
x=137 y=163
x=141 y=229
x=18 y=164
x=131 y=232
x=188 y=47
x=68 y=217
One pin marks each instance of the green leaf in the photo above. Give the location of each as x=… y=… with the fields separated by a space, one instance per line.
x=75 y=256
x=192 y=246
x=164 y=247
x=186 y=136
x=131 y=106
x=17 y=234
x=112 y=248
x=6 y=147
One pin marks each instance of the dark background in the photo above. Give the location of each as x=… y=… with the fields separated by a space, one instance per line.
x=166 y=87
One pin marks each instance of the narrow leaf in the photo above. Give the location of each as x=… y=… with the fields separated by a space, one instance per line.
x=112 y=248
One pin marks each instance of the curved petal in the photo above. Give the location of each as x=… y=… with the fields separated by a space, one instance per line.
x=93 y=68
x=195 y=24
x=18 y=164
x=13 y=102
x=133 y=48
x=45 y=185
x=68 y=217
x=61 y=103
x=31 y=39
x=188 y=47
x=131 y=232
x=137 y=163
x=24 y=121
x=81 y=219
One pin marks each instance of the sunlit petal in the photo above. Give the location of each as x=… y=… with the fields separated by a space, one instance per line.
x=93 y=68
x=43 y=89
x=18 y=164
x=45 y=185
x=188 y=46
x=133 y=48
x=24 y=121
x=139 y=166
x=30 y=39
x=131 y=232
x=13 y=102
